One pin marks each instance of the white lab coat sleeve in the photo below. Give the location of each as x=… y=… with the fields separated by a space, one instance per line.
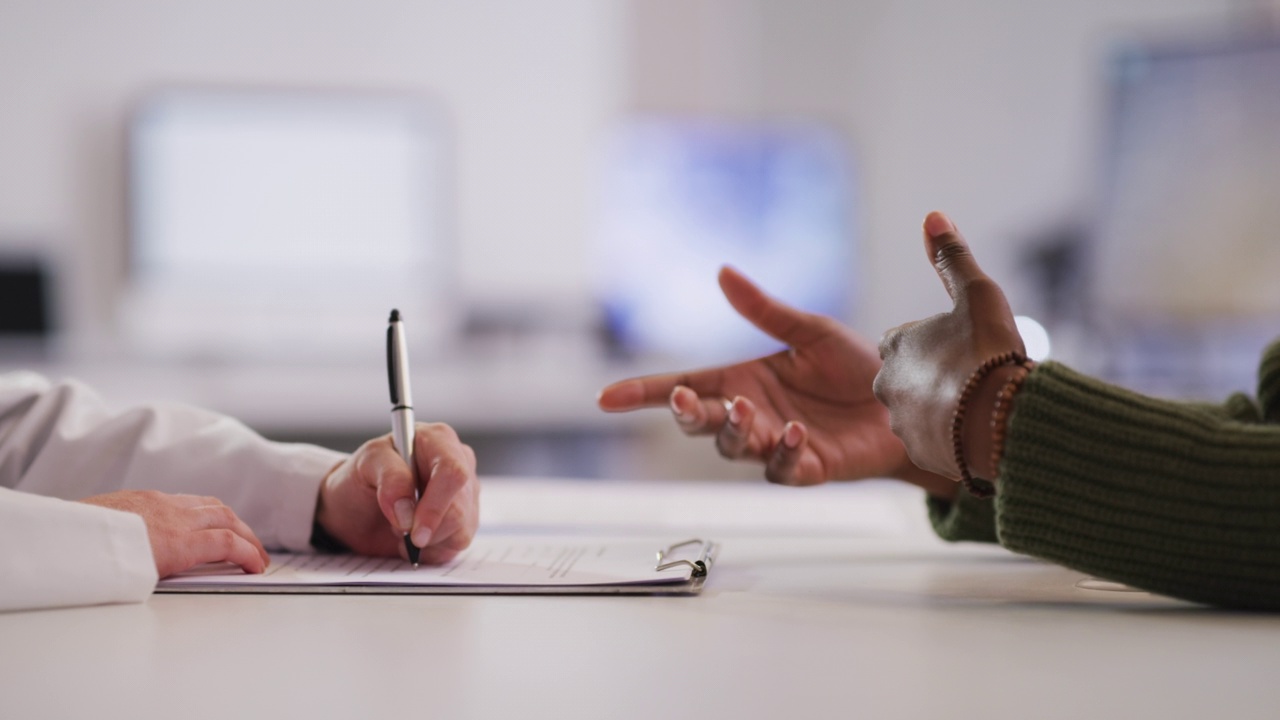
x=62 y=441
x=59 y=553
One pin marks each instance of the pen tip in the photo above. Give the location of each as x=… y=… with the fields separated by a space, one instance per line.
x=395 y=316
x=411 y=550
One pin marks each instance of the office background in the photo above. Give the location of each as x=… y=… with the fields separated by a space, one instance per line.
x=998 y=112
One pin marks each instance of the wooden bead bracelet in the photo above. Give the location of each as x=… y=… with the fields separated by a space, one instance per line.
x=1013 y=357
x=1000 y=412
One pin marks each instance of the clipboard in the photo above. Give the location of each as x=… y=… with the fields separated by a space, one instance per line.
x=493 y=566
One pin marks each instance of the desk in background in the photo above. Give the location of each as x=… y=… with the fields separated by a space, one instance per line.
x=825 y=602
x=523 y=415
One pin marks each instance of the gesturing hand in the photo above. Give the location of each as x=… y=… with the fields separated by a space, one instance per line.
x=807 y=413
x=367 y=501
x=927 y=363
x=188 y=530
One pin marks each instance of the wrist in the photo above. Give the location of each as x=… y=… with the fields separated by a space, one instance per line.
x=935 y=485
x=939 y=486
x=971 y=446
x=983 y=431
x=322 y=526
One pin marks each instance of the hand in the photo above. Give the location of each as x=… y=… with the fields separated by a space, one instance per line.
x=807 y=413
x=927 y=363
x=366 y=502
x=189 y=530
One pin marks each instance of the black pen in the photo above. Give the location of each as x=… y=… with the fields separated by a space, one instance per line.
x=402 y=410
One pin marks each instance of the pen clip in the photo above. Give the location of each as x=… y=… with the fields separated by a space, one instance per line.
x=392 y=382
x=398 y=364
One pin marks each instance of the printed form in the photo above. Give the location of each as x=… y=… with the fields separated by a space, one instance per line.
x=517 y=562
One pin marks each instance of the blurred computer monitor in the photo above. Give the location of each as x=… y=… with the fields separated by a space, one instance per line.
x=283 y=223
x=1185 y=262
x=682 y=198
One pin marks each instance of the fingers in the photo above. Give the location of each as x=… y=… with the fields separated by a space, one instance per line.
x=216 y=516
x=448 y=469
x=456 y=530
x=790 y=325
x=223 y=545
x=734 y=439
x=446 y=474
x=966 y=283
x=731 y=421
x=780 y=321
x=696 y=415
x=789 y=464
x=635 y=393
x=654 y=390
x=392 y=479
x=189 y=530
x=950 y=255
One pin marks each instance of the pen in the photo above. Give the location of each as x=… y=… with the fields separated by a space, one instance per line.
x=402 y=409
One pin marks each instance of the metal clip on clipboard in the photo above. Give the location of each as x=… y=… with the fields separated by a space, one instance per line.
x=699 y=564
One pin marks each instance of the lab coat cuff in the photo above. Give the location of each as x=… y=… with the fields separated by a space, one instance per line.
x=60 y=553
x=306 y=466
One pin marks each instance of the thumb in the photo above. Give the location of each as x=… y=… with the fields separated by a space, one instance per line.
x=782 y=322
x=950 y=255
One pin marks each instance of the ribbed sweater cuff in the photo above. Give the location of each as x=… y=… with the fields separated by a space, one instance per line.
x=1171 y=497
x=1269 y=382
x=965 y=518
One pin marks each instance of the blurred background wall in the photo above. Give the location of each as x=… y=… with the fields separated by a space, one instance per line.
x=994 y=111
x=528 y=90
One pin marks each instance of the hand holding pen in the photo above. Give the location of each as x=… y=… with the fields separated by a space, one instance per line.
x=412 y=491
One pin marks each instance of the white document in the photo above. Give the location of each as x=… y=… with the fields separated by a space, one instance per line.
x=497 y=564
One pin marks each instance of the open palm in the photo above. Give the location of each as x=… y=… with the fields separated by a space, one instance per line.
x=808 y=413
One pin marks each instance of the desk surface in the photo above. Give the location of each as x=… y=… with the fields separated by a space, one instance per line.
x=876 y=621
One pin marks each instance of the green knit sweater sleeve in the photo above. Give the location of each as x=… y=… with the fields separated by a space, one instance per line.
x=1176 y=498
x=968 y=518
x=965 y=518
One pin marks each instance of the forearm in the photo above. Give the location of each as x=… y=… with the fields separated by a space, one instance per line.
x=1172 y=497
x=61 y=440
x=980 y=430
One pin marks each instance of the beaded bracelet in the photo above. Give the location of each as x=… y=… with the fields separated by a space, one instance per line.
x=1013 y=357
x=1000 y=412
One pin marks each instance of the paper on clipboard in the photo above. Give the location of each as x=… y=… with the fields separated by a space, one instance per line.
x=500 y=564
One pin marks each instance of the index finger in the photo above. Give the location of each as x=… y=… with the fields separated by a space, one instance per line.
x=379 y=462
x=655 y=390
x=446 y=468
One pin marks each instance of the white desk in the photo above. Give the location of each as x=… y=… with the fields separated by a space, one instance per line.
x=882 y=622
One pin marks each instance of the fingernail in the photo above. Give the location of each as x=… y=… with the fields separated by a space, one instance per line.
x=735 y=413
x=938 y=224
x=422 y=536
x=791 y=436
x=404 y=513
x=675 y=406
